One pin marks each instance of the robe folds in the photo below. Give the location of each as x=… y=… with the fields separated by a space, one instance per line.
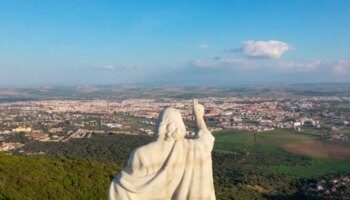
x=173 y=169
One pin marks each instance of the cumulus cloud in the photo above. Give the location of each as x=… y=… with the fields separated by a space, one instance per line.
x=265 y=49
x=341 y=67
x=218 y=62
x=296 y=66
x=203 y=46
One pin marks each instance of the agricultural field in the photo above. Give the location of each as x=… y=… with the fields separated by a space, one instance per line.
x=277 y=143
x=271 y=141
x=321 y=149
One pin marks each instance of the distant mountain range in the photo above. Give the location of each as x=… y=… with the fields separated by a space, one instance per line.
x=8 y=93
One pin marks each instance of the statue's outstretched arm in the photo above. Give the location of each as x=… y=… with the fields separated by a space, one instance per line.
x=201 y=127
x=204 y=135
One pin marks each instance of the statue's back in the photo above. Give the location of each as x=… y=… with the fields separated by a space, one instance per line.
x=171 y=167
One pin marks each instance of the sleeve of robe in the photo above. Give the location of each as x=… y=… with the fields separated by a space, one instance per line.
x=207 y=139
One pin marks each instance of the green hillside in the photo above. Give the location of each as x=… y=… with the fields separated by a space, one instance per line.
x=43 y=178
x=246 y=165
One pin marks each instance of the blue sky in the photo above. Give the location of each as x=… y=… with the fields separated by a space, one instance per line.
x=174 y=42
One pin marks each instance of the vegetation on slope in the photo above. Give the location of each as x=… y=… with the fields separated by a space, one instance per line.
x=23 y=177
x=245 y=166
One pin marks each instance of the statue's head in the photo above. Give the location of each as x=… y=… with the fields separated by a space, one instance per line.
x=170 y=125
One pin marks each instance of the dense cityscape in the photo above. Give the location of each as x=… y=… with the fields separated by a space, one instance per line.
x=61 y=120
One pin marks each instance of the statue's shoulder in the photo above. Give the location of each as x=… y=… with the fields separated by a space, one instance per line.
x=138 y=155
x=146 y=148
x=153 y=149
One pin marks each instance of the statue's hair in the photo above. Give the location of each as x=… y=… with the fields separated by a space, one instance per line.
x=170 y=125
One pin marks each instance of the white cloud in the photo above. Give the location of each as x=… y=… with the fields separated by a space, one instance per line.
x=259 y=64
x=341 y=67
x=265 y=49
x=217 y=62
x=108 y=67
x=120 y=67
x=337 y=68
x=203 y=46
x=308 y=66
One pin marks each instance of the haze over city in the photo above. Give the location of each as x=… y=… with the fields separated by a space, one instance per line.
x=181 y=42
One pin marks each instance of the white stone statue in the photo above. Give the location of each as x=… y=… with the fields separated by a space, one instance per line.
x=171 y=167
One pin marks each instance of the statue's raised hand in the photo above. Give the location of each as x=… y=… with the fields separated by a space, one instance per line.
x=198 y=109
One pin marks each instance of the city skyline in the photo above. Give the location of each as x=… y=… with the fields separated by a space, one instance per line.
x=182 y=42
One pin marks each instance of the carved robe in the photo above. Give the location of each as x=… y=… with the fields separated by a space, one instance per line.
x=172 y=169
